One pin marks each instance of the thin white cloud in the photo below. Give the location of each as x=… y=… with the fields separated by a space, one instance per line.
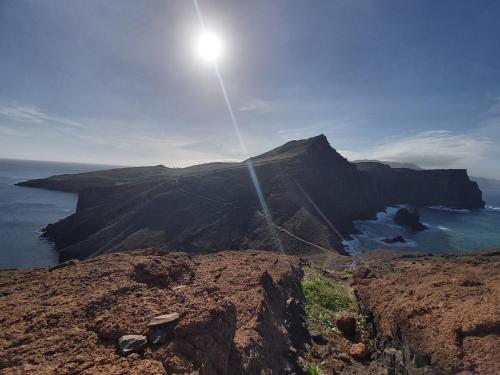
x=31 y=114
x=10 y=132
x=490 y=124
x=259 y=106
x=432 y=149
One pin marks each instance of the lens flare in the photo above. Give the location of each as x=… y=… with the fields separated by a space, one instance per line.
x=209 y=47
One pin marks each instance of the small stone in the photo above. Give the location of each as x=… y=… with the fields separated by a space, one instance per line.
x=320 y=351
x=345 y=358
x=70 y=262
x=347 y=325
x=163 y=319
x=317 y=337
x=132 y=343
x=158 y=335
x=314 y=333
x=363 y=272
x=470 y=282
x=421 y=360
x=359 y=351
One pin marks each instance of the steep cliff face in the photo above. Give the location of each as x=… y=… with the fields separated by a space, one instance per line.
x=448 y=187
x=311 y=191
x=301 y=183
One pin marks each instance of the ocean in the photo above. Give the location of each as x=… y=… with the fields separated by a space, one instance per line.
x=449 y=231
x=25 y=211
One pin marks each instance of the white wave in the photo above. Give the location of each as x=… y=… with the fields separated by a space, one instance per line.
x=494 y=208
x=440 y=227
x=352 y=246
x=408 y=243
x=444 y=208
x=388 y=213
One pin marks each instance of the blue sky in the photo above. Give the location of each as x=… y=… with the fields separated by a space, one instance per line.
x=118 y=82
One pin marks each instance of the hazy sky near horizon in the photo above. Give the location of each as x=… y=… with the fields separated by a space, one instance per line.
x=118 y=82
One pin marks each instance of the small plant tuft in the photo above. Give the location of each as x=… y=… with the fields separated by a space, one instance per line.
x=313 y=369
x=324 y=300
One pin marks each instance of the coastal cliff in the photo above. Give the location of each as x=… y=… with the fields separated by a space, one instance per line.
x=446 y=187
x=313 y=195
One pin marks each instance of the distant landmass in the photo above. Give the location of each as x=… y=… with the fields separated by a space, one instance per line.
x=313 y=194
x=392 y=164
x=490 y=188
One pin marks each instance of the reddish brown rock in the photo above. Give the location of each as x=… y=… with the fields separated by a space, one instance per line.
x=442 y=311
x=69 y=320
x=359 y=351
x=347 y=325
x=363 y=273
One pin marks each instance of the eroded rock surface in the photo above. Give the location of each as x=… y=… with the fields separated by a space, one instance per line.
x=434 y=315
x=232 y=306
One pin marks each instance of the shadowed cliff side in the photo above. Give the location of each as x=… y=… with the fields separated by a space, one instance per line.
x=313 y=194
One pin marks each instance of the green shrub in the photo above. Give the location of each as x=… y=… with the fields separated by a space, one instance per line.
x=313 y=369
x=324 y=299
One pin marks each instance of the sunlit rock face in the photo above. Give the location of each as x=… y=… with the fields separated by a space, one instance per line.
x=312 y=192
x=95 y=317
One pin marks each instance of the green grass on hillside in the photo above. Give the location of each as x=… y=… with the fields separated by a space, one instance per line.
x=325 y=299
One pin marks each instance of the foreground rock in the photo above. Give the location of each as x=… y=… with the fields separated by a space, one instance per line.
x=359 y=351
x=434 y=315
x=163 y=319
x=218 y=314
x=132 y=344
x=347 y=325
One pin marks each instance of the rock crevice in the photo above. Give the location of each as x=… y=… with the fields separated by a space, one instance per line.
x=433 y=315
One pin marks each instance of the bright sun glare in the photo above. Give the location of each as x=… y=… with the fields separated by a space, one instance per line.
x=209 y=47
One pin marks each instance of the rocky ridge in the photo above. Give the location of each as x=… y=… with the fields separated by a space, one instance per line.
x=234 y=315
x=433 y=315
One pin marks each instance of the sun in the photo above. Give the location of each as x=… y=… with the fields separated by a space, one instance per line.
x=209 y=47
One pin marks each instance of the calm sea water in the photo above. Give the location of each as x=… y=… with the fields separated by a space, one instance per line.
x=25 y=211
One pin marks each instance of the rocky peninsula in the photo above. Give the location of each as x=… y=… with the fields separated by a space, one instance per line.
x=312 y=193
